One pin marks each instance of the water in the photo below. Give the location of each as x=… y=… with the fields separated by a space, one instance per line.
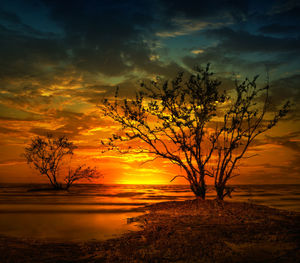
x=100 y=211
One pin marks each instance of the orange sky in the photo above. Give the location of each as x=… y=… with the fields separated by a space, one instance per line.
x=276 y=161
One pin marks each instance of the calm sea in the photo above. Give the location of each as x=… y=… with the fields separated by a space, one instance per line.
x=101 y=211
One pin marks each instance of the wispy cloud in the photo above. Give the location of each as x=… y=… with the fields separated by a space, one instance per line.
x=186 y=26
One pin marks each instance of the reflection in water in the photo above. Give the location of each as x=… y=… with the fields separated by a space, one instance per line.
x=101 y=211
x=76 y=227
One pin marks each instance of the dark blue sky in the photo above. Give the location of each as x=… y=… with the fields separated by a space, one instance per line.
x=149 y=37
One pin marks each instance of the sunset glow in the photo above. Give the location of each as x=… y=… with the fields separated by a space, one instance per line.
x=149 y=131
x=58 y=62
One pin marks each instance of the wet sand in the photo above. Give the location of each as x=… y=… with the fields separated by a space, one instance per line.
x=187 y=231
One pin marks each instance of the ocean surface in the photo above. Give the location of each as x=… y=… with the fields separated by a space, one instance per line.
x=88 y=212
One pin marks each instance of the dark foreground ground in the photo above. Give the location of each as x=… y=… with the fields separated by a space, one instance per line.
x=189 y=231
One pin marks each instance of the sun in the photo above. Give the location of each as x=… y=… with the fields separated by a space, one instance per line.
x=141 y=180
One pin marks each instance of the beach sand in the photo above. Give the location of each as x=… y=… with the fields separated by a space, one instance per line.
x=187 y=231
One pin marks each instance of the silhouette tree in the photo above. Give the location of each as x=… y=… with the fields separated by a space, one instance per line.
x=80 y=173
x=241 y=123
x=46 y=155
x=191 y=122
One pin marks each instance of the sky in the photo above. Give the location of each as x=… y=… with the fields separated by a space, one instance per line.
x=59 y=59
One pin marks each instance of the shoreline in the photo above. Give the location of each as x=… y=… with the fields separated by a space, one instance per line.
x=179 y=231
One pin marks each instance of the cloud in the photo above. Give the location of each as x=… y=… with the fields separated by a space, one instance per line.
x=227 y=63
x=209 y=9
x=58 y=60
x=285 y=9
x=242 y=41
x=104 y=38
x=279 y=29
x=291 y=141
x=5 y=130
x=197 y=51
x=289 y=170
x=187 y=26
x=286 y=88
x=12 y=162
x=67 y=122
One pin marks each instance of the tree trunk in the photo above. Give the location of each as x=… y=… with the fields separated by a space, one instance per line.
x=199 y=190
x=68 y=184
x=223 y=190
x=220 y=192
x=57 y=186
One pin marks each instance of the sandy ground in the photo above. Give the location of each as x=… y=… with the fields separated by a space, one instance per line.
x=188 y=231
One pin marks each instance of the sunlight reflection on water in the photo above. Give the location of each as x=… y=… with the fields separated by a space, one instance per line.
x=101 y=211
x=75 y=227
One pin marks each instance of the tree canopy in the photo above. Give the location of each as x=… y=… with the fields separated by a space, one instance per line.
x=47 y=155
x=194 y=123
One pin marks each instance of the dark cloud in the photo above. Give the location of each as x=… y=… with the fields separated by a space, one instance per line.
x=285 y=10
x=112 y=37
x=290 y=141
x=29 y=57
x=73 y=123
x=290 y=170
x=208 y=9
x=279 y=29
x=242 y=41
x=223 y=61
x=286 y=88
x=11 y=21
x=9 y=17
x=106 y=37
x=60 y=58
x=23 y=102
